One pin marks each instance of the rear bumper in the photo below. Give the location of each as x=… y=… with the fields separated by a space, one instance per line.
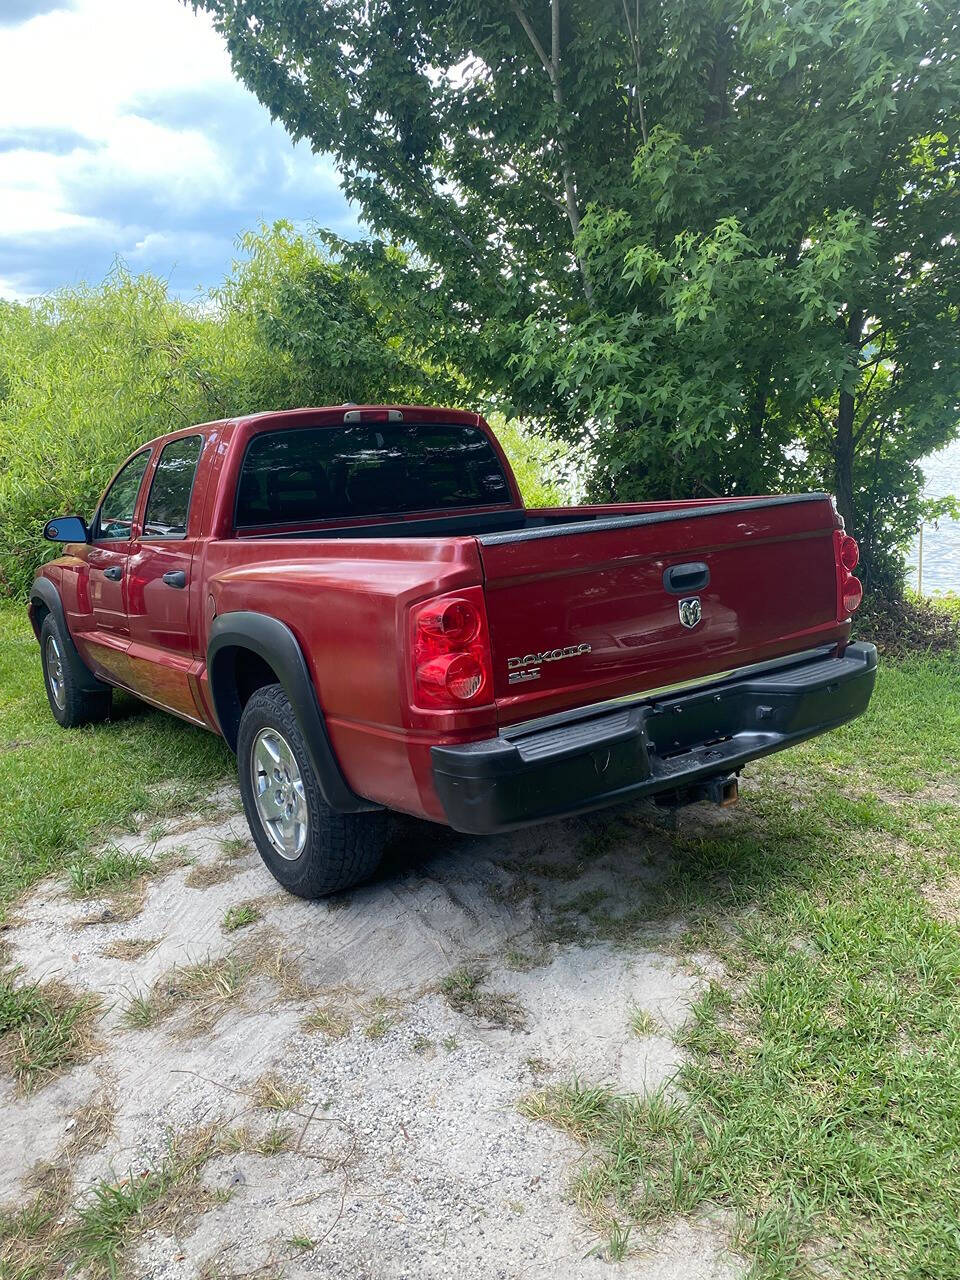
x=648 y=747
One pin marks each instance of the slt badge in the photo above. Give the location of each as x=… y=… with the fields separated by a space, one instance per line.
x=690 y=611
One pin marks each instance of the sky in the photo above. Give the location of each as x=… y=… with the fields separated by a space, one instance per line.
x=123 y=134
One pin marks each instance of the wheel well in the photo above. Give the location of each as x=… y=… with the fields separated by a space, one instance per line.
x=251 y=672
x=38 y=612
x=237 y=673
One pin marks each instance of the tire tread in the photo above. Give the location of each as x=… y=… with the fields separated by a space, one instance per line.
x=343 y=849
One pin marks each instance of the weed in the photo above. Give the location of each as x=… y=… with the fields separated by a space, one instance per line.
x=40 y=765
x=465 y=993
x=129 y=948
x=240 y=1138
x=618 y=1241
x=450 y=1043
x=44 y=1028
x=236 y=846
x=331 y=1022
x=303 y=1243
x=643 y=1023
x=206 y=874
x=274 y=1094
x=524 y=961
x=142 y=1010
x=111 y=1214
x=236 y=917
x=378 y=1026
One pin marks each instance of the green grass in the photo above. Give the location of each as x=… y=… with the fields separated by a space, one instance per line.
x=90 y=873
x=43 y=1028
x=240 y=915
x=819 y=1102
x=62 y=790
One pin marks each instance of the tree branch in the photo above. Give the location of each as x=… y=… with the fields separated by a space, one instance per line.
x=551 y=65
x=634 y=37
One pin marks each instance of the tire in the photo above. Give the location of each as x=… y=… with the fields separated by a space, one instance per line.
x=308 y=847
x=72 y=704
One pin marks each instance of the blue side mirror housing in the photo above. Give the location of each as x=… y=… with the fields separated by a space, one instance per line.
x=66 y=529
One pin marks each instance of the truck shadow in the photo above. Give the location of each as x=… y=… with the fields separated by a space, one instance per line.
x=629 y=876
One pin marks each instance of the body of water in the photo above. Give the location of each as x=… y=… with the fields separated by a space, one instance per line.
x=941 y=546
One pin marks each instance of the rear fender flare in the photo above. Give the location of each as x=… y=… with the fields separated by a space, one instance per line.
x=274 y=642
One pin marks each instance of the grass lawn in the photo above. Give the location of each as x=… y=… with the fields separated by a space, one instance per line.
x=817 y=1114
x=61 y=791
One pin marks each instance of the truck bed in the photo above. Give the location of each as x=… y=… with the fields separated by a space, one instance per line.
x=583 y=587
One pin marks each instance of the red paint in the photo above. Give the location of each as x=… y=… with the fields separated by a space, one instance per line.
x=775 y=588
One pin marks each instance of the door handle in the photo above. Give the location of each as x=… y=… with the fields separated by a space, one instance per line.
x=176 y=578
x=681 y=578
x=114 y=573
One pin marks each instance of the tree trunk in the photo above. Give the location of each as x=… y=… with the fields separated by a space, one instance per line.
x=843 y=460
x=843 y=449
x=551 y=64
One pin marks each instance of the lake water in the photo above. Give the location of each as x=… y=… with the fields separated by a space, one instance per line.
x=941 y=546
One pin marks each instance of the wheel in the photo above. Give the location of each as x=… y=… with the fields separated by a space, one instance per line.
x=308 y=847
x=72 y=704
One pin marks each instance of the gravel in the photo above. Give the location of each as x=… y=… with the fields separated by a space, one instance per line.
x=410 y=1157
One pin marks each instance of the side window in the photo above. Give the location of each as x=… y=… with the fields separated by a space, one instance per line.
x=115 y=518
x=169 y=503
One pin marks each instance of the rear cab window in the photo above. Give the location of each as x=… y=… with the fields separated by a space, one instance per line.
x=305 y=474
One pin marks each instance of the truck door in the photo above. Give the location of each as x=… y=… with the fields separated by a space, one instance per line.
x=162 y=600
x=102 y=630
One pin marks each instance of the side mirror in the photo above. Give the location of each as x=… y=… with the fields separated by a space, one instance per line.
x=66 y=529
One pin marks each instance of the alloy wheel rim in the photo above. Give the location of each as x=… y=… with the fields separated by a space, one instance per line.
x=55 y=672
x=278 y=792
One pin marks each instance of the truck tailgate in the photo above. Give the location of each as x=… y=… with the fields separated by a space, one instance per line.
x=581 y=612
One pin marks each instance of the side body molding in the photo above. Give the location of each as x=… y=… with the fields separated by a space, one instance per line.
x=44 y=593
x=275 y=643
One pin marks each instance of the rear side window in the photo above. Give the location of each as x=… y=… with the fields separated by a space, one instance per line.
x=322 y=473
x=169 y=502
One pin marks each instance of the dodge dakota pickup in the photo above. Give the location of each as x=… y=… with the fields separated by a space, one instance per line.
x=358 y=600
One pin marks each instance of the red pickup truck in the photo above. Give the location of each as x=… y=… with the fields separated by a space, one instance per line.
x=357 y=599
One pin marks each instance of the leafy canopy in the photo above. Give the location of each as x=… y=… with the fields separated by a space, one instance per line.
x=717 y=239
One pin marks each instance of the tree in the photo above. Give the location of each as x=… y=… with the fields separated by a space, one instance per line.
x=714 y=238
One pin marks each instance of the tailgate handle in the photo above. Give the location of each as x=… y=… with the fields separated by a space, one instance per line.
x=681 y=578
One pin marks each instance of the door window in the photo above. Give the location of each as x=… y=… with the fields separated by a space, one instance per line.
x=169 y=502
x=115 y=518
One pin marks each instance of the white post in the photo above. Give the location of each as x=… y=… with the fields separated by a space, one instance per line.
x=920 y=562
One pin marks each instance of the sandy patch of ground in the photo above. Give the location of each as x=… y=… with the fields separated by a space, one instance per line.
x=409 y=1157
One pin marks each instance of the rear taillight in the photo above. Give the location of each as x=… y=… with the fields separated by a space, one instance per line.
x=450 y=648
x=849 y=588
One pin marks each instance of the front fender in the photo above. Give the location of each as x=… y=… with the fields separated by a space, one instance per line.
x=45 y=594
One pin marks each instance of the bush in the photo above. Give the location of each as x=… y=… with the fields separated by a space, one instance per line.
x=88 y=374
x=903 y=624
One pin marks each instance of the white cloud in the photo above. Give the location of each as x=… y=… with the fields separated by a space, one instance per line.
x=123 y=132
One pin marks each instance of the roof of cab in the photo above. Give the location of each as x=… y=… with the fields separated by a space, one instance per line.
x=321 y=416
